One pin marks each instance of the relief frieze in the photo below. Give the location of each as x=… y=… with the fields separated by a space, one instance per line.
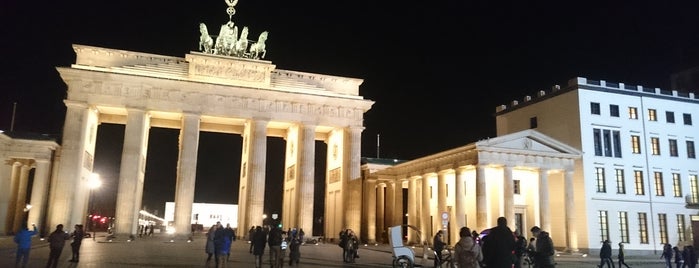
x=235 y=72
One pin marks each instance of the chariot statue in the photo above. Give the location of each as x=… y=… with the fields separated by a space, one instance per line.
x=205 y=40
x=259 y=47
x=228 y=43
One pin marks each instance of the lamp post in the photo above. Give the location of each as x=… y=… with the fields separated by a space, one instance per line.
x=93 y=182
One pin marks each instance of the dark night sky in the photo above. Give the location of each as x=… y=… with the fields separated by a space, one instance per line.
x=436 y=69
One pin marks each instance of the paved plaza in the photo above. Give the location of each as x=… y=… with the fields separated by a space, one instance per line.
x=158 y=251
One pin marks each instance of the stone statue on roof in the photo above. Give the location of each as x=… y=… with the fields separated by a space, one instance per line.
x=228 y=43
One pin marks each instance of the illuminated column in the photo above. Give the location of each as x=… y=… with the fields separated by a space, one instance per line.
x=21 y=202
x=441 y=195
x=306 y=180
x=258 y=162
x=39 y=193
x=352 y=188
x=572 y=245
x=398 y=204
x=131 y=172
x=508 y=196
x=412 y=209
x=481 y=205
x=544 y=207
x=12 y=200
x=381 y=207
x=460 y=198
x=390 y=206
x=371 y=210
x=186 y=173
x=6 y=181
x=426 y=208
x=355 y=153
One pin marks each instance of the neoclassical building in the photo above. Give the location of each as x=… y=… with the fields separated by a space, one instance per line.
x=526 y=176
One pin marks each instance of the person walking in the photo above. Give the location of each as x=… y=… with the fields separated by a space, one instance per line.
x=620 y=256
x=78 y=234
x=259 y=242
x=222 y=245
x=57 y=240
x=251 y=235
x=274 y=239
x=467 y=253
x=498 y=246
x=679 y=261
x=520 y=248
x=210 y=248
x=230 y=232
x=294 y=250
x=23 y=239
x=690 y=256
x=667 y=255
x=605 y=255
x=544 y=251
x=438 y=246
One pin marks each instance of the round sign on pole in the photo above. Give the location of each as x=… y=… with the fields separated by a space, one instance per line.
x=445 y=216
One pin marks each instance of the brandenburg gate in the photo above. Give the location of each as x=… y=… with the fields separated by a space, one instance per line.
x=208 y=92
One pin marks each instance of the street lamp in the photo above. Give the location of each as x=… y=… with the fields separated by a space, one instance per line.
x=264 y=218
x=93 y=182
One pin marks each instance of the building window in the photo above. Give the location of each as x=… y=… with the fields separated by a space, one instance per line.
x=681 y=234
x=694 y=188
x=662 y=228
x=533 y=122
x=517 y=186
x=635 y=144
x=607 y=142
x=687 y=119
x=676 y=185
x=594 y=108
x=655 y=146
x=633 y=113
x=672 y=143
x=614 y=110
x=603 y=225
x=638 y=182
x=670 y=117
x=624 y=226
x=659 y=190
x=643 y=227
x=601 y=185
x=620 y=187
x=652 y=115
x=690 y=150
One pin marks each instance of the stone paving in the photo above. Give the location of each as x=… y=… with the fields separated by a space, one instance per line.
x=159 y=251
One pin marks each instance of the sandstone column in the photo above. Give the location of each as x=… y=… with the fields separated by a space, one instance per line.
x=390 y=206
x=544 y=206
x=21 y=202
x=381 y=209
x=12 y=200
x=412 y=209
x=39 y=193
x=572 y=242
x=257 y=161
x=186 y=174
x=398 y=204
x=131 y=173
x=460 y=198
x=442 y=197
x=371 y=210
x=481 y=205
x=307 y=179
x=427 y=208
x=508 y=196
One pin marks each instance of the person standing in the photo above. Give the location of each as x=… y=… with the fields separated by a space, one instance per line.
x=620 y=256
x=544 y=251
x=230 y=232
x=605 y=255
x=498 y=246
x=259 y=241
x=520 y=248
x=467 y=253
x=23 y=239
x=294 y=250
x=222 y=245
x=210 y=248
x=77 y=235
x=57 y=240
x=690 y=256
x=438 y=245
x=667 y=255
x=275 y=247
x=251 y=235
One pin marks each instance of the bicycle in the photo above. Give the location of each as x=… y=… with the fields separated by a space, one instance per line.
x=446 y=258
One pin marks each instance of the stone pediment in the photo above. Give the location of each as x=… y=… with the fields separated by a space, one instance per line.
x=531 y=141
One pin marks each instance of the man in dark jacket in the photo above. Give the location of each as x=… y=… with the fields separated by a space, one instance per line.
x=543 y=257
x=498 y=246
x=605 y=254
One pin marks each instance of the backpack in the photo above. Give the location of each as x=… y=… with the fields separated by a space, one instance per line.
x=469 y=257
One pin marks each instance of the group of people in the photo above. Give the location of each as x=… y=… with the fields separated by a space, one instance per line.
x=349 y=242
x=56 y=240
x=500 y=248
x=218 y=244
x=687 y=257
x=605 y=255
x=278 y=241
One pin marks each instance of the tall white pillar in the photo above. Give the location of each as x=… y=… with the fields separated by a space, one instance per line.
x=481 y=205
x=258 y=162
x=39 y=193
x=441 y=192
x=572 y=242
x=12 y=200
x=21 y=201
x=508 y=196
x=398 y=203
x=544 y=206
x=186 y=174
x=131 y=173
x=371 y=210
x=427 y=208
x=381 y=208
x=352 y=187
x=390 y=206
x=460 y=198
x=306 y=180
x=412 y=209
x=6 y=182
